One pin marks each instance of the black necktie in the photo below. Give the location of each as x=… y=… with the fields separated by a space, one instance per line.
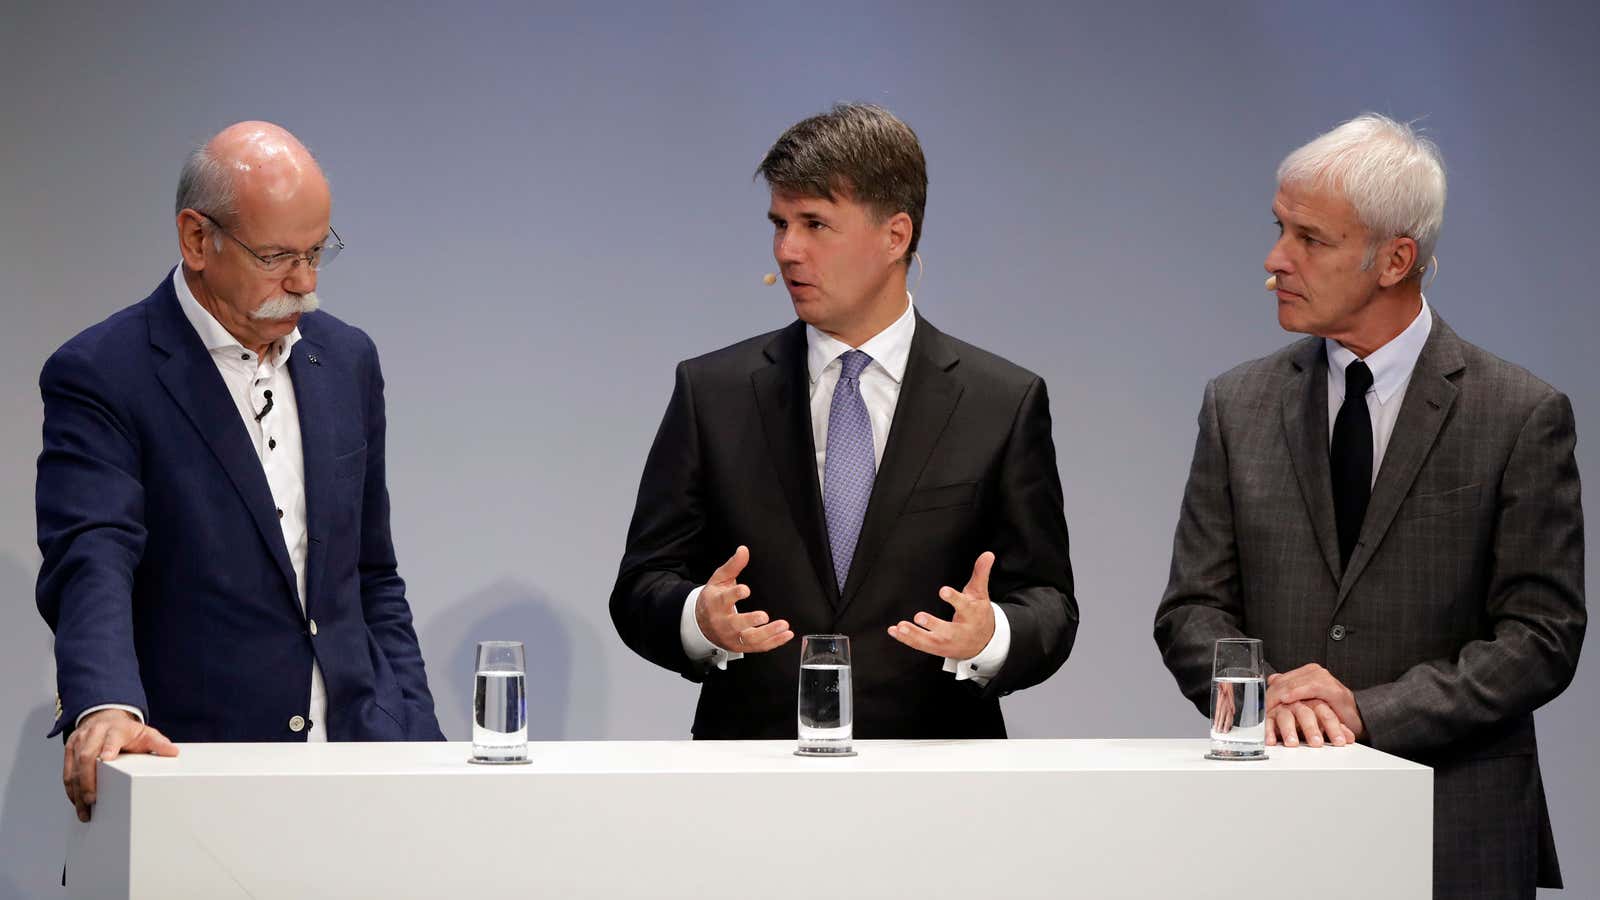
x=1350 y=458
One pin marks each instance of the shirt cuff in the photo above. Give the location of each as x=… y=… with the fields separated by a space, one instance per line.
x=94 y=709
x=695 y=643
x=987 y=663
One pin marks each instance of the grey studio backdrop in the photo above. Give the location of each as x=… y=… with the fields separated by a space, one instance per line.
x=546 y=208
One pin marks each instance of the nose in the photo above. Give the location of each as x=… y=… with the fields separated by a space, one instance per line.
x=302 y=279
x=1277 y=261
x=788 y=247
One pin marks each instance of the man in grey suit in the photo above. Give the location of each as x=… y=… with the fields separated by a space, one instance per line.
x=1393 y=511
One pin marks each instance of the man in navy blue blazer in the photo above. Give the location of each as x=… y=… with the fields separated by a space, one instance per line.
x=211 y=498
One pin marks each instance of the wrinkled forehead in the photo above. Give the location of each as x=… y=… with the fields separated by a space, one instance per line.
x=1314 y=202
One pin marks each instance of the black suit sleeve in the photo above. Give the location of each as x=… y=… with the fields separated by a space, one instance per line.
x=1032 y=576
x=665 y=540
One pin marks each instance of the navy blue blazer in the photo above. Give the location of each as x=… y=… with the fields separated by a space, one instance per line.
x=165 y=576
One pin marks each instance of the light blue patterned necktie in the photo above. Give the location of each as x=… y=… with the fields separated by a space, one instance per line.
x=848 y=468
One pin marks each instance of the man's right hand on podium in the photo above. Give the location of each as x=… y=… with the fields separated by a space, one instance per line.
x=716 y=612
x=102 y=736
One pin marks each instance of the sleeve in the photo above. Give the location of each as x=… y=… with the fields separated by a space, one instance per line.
x=1032 y=577
x=1202 y=602
x=1536 y=616
x=89 y=504
x=383 y=592
x=665 y=548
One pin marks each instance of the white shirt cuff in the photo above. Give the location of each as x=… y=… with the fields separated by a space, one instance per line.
x=983 y=667
x=94 y=709
x=695 y=642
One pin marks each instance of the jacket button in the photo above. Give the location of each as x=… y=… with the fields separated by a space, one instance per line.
x=313 y=624
x=1337 y=632
x=297 y=724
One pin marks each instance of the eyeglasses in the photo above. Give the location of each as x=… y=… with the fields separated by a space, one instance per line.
x=317 y=258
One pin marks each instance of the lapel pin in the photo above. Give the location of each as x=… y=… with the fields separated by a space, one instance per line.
x=312 y=358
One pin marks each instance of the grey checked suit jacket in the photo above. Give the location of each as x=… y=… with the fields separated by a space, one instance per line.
x=1462 y=609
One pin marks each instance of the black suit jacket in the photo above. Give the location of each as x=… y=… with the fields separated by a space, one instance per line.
x=969 y=466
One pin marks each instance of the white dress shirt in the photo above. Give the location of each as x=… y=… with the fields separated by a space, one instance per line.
x=276 y=437
x=1391 y=365
x=880 y=382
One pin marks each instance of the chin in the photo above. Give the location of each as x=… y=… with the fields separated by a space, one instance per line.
x=809 y=311
x=1290 y=320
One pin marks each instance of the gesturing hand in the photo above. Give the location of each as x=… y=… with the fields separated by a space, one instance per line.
x=968 y=631
x=721 y=622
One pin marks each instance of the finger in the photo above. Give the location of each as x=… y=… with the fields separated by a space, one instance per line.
x=721 y=598
x=1332 y=728
x=69 y=769
x=941 y=630
x=1287 y=730
x=1307 y=719
x=84 y=769
x=955 y=598
x=115 y=739
x=743 y=621
x=768 y=637
x=1272 y=731
x=754 y=636
x=729 y=571
x=1304 y=693
x=157 y=743
x=978 y=584
x=915 y=638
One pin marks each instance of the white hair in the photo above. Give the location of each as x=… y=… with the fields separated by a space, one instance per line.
x=1393 y=176
x=206 y=186
x=285 y=305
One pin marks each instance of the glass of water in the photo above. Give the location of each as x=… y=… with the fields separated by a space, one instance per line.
x=499 y=705
x=825 y=714
x=1238 y=701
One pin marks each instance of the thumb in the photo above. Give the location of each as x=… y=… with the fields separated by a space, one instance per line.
x=978 y=585
x=152 y=741
x=728 y=572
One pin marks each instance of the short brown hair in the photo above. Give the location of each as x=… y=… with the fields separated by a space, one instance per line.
x=856 y=149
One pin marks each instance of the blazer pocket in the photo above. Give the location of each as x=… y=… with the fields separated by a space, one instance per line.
x=944 y=496
x=350 y=464
x=1454 y=500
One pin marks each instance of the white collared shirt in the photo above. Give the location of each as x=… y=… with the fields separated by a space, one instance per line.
x=880 y=382
x=276 y=438
x=1391 y=365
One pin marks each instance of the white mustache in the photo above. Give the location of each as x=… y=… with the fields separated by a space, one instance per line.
x=285 y=305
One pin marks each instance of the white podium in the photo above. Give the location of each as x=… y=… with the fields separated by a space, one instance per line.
x=974 y=820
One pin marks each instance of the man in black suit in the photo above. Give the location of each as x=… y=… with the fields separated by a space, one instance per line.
x=840 y=475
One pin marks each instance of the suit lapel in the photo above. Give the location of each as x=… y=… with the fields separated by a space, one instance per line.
x=1305 y=428
x=1423 y=411
x=784 y=400
x=192 y=379
x=928 y=396
x=316 y=449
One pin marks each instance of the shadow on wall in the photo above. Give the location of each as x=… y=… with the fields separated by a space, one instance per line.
x=34 y=816
x=565 y=680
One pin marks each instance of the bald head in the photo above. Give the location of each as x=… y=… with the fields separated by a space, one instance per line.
x=249 y=169
x=253 y=224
